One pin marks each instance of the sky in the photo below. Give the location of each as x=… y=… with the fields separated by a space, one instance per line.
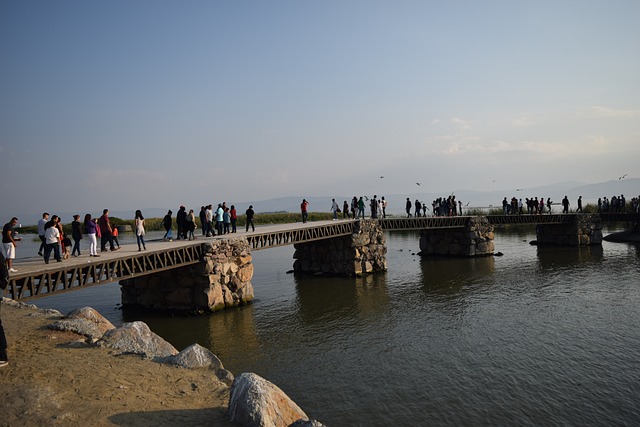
x=132 y=105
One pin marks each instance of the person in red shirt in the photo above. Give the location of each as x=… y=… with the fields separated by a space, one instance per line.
x=234 y=218
x=303 y=208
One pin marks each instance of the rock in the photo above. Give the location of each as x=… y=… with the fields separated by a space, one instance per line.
x=84 y=321
x=196 y=356
x=626 y=236
x=254 y=402
x=137 y=338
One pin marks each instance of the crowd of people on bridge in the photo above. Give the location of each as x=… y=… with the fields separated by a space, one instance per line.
x=535 y=206
x=54 y=240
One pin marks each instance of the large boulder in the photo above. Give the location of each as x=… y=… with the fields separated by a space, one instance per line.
x=196 y=356
x=84 y=321
x=137 y=338
x=256 y=402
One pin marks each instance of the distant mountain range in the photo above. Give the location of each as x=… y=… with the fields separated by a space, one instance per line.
x=630 y=187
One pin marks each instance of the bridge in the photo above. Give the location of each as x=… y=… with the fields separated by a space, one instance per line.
x=37 y=279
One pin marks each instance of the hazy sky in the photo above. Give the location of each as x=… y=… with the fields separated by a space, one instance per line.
x=134 y=104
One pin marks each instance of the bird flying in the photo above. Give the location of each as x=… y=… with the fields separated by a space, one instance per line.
x=417 y=183
x=623 y=177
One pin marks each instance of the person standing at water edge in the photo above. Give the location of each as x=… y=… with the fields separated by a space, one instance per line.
x=139 y=223
x=250 y=213
x=41 y=224
x=76 y=234
x=303 y=209
x=9 y=243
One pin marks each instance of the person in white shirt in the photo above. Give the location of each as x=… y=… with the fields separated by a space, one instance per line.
x=43 y=221
x=52 y=239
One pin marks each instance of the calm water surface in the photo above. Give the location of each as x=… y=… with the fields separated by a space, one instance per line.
x=539 y=336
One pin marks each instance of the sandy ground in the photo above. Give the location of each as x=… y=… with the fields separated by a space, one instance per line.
x=54 y=378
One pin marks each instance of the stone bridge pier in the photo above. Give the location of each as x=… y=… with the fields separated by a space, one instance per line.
x=361 y=253
x=222 y=279
x=474 y=239
x=585 y=229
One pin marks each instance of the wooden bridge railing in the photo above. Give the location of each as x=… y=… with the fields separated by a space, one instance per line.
x=298 y=235
x=73 y=275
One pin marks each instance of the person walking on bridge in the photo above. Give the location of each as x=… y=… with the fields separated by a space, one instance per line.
x=250 y=213
x=361 y=208
x=166 y=223
x=52 y=238
x=139 y=222
x=334 y=209
x=234 y=218
x=9 y=241
x=41 y=224
x=91 y=231
x=579 y=209
x=565 y=205
x=105 y=232
x=304 y=206
x=76 y=234
x=408 y=207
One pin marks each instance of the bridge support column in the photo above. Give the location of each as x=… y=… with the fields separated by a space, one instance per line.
x=221 y=279
x=362 y=252
x=473 y=239
x=586 y=229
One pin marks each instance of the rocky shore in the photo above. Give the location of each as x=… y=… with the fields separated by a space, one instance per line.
x=79 y=369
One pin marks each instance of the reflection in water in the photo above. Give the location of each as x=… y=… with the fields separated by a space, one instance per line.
x=448 y=276
x=322 y=299
x=562 y=257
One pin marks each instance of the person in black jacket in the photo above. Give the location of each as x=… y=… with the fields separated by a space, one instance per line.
x=76 y=233
x=181 y=221
x=166 y=223
x=250 y=213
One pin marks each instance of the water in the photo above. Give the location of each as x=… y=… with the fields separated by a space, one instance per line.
x=540 y=336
